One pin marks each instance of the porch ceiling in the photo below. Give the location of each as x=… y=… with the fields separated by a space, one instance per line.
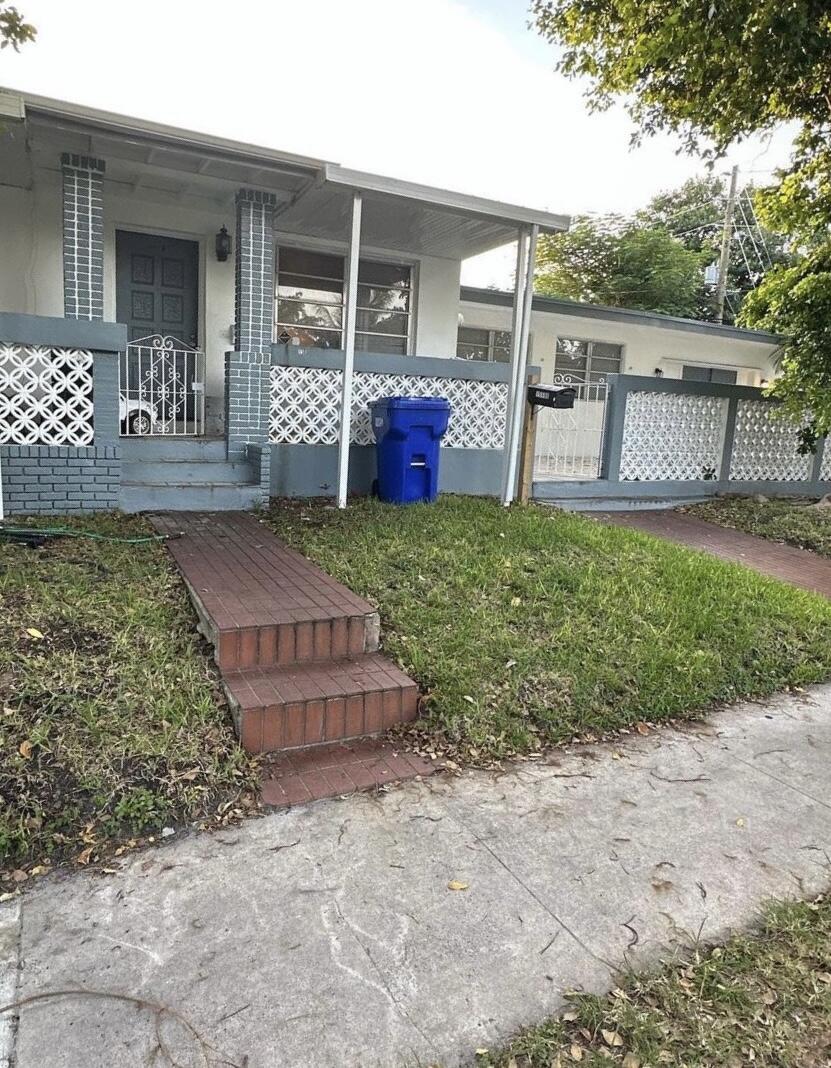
x=314 y=197
x=405 y=216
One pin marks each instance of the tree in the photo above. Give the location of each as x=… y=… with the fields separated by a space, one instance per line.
x=617 y=261
x=14 y=30
x=714 y=73
x=694 y=214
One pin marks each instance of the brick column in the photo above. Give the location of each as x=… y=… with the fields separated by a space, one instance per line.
x=247 y=400
x=248 y=370
x=254 y=270
x=83 y=236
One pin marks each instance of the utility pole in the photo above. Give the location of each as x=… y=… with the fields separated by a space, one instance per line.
x=726 y=238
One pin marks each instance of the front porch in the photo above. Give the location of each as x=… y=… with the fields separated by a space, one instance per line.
x=263 y=301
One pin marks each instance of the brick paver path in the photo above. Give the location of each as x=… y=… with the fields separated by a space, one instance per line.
x=298 y=653
x=797 y=566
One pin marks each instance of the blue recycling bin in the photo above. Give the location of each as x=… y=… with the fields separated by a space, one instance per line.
x=408 y=433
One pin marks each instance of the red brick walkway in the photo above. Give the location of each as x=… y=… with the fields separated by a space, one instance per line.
x=298 y=656
x=797 y=566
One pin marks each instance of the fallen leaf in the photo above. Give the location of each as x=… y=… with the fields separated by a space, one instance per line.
x=516 y=602
x=611 y=1038
x=454 y=884
x=33 y=632
x=84 y=856
x=39 y=869
x=824 y=977
x=641 y=728
x=570 y=1015
x=25 y=749
x=468 y=698
x=576 y=1052
x=631 y=1061
x=19 y=875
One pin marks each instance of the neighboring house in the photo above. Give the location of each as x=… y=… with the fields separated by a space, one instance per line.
x=188 y=321
x=586 y=342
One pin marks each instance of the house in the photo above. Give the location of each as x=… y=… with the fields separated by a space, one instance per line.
x=192 y=322
x=213 y=308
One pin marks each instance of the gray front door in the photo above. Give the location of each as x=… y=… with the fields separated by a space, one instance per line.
x=157 y=286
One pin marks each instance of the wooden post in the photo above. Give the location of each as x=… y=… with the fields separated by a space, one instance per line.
x=529 y=433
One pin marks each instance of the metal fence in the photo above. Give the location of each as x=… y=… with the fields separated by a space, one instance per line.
x=569 y=441
x=161 y=388
x=45 y=395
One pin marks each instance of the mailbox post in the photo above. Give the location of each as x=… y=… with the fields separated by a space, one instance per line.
x=538 y=396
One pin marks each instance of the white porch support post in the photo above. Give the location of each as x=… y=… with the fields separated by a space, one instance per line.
x=517 y=401
x=349 y=322
x=516 y=323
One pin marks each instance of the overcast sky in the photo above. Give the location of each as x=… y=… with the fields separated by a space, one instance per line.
x=455 y=93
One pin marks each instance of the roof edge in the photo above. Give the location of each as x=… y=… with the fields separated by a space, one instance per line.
x=446 y=198
x=564 y=306
x=129 y=125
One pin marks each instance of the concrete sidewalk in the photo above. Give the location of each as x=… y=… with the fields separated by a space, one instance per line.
x=326 y=935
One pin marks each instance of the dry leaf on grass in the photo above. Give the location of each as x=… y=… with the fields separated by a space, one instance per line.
x=611 y=1038
x=576 y=1052
x=33 y=632
x=25 y=749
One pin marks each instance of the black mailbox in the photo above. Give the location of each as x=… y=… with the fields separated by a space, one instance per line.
x=551 y=397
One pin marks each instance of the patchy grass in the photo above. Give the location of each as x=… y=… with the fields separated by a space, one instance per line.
x=761 y=999
x=111 y=721
x=530 y=626
x=796 y=523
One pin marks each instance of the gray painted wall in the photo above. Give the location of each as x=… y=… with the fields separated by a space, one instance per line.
x=311 y=470
x=56 y=479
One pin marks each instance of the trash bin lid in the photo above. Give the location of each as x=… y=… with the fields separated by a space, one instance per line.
x=436 y=403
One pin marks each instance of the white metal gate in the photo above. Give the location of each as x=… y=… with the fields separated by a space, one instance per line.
x=569 y=441
x=161 y=388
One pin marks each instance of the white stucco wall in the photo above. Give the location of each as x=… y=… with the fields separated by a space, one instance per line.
x=31 y=263
x=644 y=347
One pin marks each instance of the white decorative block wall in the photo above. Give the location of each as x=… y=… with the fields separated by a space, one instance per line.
x=45 y=395
x=672 y=436
x=305 y=406
x=765 y=445
x=825 y=466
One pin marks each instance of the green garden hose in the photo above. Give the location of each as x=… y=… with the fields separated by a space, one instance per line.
x=31 y=533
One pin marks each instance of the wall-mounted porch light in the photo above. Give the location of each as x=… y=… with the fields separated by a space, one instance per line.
x=223 y=245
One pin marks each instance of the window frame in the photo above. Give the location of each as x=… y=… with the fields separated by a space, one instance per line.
x=491 y=332
x=590 y=342
x=367 y=256
x=710 y=367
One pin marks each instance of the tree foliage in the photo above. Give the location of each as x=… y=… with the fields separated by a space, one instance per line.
x=14 y=30
x=694 y=214
x=619 y=262
x=715 y=72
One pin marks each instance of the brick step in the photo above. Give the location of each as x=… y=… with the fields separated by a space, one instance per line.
x=269 y=645
x=303 y=705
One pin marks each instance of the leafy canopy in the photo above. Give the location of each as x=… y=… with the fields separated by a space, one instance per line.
x=715 y=72
x=14 y=30
x=615 y=261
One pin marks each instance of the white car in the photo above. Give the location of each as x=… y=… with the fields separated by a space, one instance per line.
x=136 y=416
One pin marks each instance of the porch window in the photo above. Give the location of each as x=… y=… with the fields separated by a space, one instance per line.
x=311 y=296
x=586 y=363
x=698 y=373
x=488 y=346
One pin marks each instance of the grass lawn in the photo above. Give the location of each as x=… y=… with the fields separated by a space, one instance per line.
x=793 y=522
x=111 y=721
x=530 y=626
x=761 y=999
